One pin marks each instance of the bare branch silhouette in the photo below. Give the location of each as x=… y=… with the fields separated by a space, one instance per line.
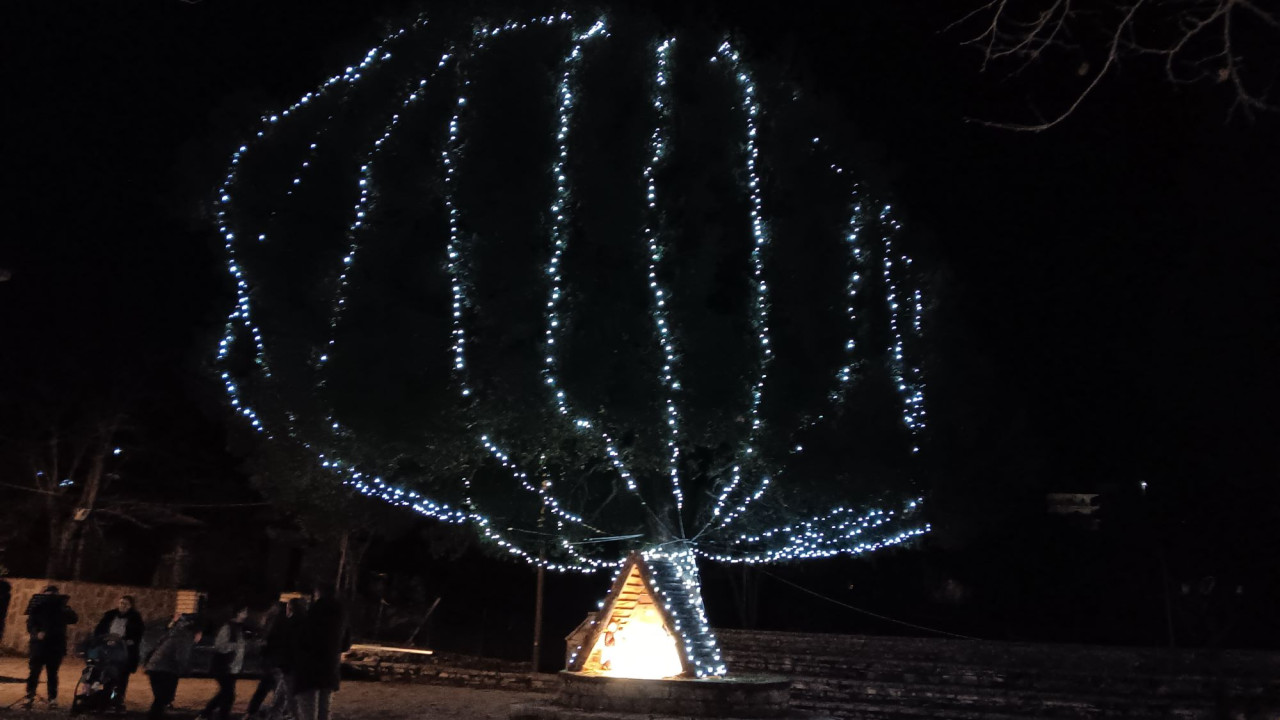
x=1194 y=40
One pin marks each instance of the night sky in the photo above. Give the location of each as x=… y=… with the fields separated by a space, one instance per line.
x=1105 y=301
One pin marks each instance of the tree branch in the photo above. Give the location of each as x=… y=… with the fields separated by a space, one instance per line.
x=1112 y=52
x=1177 y=32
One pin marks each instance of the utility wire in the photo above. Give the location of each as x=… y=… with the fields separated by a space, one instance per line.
x=143 y=503
x=127 y=503
x=867 y=612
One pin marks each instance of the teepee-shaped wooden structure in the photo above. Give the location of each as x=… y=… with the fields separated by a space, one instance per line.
x=652 y=623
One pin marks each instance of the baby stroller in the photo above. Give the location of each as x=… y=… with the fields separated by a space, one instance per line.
x=106 y=658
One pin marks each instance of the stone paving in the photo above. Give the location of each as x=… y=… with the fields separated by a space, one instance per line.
x=356 y=701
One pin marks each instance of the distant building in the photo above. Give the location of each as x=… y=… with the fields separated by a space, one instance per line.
x=1079 y=508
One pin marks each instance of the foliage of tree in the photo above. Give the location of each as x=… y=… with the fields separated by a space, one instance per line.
x=342 y=340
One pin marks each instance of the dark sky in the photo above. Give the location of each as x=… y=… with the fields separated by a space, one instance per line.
x=1106 y=299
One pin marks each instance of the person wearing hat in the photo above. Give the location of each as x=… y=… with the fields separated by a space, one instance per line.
x=48 y=616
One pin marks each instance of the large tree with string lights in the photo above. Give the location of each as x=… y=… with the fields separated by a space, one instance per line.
x=585 y=286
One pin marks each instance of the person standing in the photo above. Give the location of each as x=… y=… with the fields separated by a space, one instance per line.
x=278 y=660
x=126 y=622
x=228 y=661
x=168 y=661
x=48 y=616
x=5 y=594
x=323 y=637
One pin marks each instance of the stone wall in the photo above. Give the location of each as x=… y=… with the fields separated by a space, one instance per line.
x=889 y=678
x=744 y=698
x=854 y=676
x=89 y=600
x=386 y=665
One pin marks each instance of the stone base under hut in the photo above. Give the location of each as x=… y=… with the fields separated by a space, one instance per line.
x=600 y=697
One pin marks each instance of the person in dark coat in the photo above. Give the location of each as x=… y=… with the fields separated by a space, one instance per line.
x=278 y=661
x=5 y=593
x=323 y=638
x=126 y=622
x=48 y=616
x=168 y=661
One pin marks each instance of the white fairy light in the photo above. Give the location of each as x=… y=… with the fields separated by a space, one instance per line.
x=745 y=481
x=760 y=288
x=661 y=296
x=908 y=379
x=364 y=184
x=458 y=283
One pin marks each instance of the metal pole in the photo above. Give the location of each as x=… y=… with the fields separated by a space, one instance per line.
x=542 y=574
x=537 y=609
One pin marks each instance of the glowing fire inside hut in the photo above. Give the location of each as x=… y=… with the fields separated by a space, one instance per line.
x=638 y=634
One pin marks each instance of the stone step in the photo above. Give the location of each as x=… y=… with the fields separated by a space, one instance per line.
x=1041 y=657
x=1160 y=687
x=881 y=711
x=1080 y=704
x=987 y=652
x=892 y=678
x=942 y=672
x=550 y=711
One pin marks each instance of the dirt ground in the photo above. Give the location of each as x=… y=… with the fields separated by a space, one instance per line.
x=356 y=700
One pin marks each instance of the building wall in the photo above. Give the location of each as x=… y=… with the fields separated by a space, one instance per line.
x=90 y=601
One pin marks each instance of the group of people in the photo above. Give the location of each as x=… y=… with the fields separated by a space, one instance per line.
x=301 y=654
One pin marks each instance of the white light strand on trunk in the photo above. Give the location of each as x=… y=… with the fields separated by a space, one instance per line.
x=685 y=563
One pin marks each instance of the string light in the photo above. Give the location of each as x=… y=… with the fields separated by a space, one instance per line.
x=661 y=296
x=844 y=377
x=760 y=288
x=679 y=588
x=907 y=378
x=241 y=312
x=359 y=214
x=559 y=211
x=723 y=534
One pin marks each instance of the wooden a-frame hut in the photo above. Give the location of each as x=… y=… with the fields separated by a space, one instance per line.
x=651 y=610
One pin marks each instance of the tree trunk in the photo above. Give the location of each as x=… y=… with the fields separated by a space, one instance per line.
x=77 y=562
x=67 y=516
x=56 y=521
x=352 y=561
x=343 y=544
x=746 y=595
x=73 y=547
x=53 y=556
x=62 y=549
